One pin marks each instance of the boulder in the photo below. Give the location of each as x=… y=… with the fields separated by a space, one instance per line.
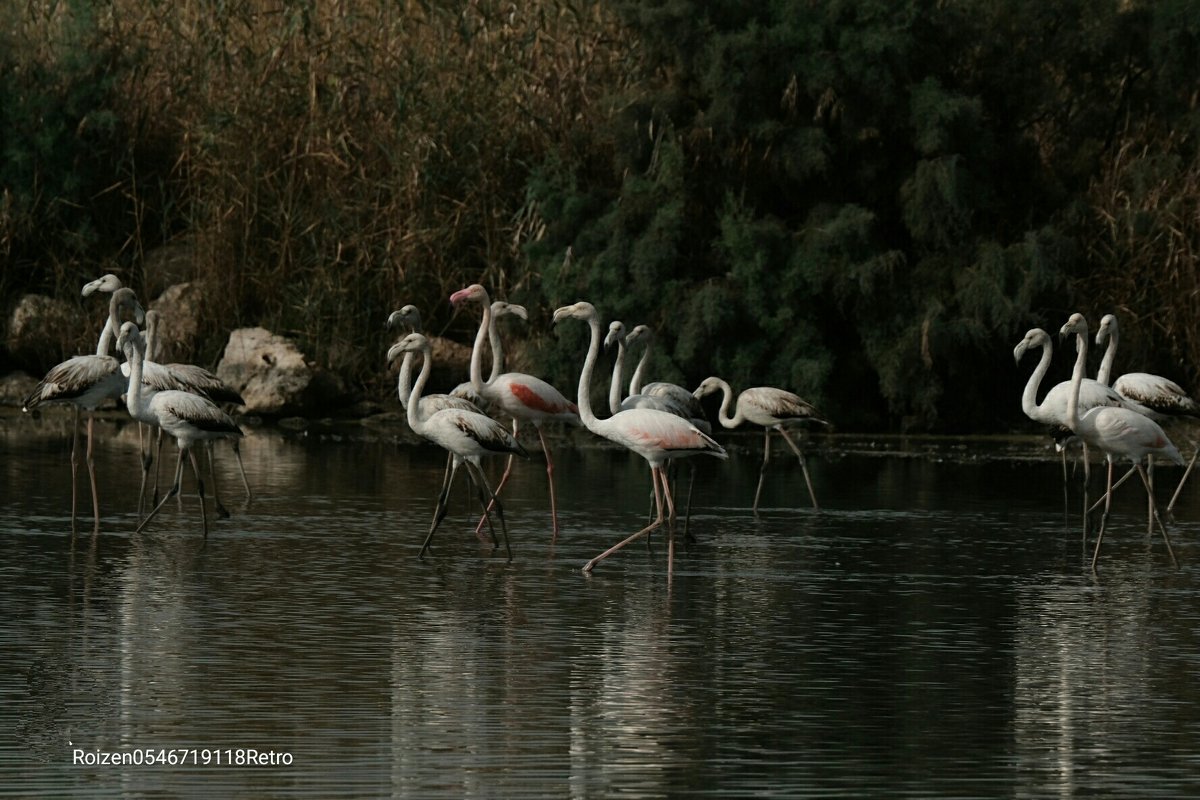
x=180 y=307
x=42 y=331
x=273 y=376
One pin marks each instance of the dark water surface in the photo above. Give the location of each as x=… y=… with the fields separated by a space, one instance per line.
x=932 y=632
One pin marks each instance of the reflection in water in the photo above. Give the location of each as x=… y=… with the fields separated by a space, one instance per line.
x=933 y=632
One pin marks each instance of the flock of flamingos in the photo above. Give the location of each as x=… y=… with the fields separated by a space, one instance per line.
x=659 y=421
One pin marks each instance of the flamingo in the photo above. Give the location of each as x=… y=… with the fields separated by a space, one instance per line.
x=1052 y=411
x=466 y=435
x=86 y=382
x=521 y=396
x=775 y=410
x=430 y=403
x=1161 y=399
x=1120 y=432
x=654 y=435
x=186 y=416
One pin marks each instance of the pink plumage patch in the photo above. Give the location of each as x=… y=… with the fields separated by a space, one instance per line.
x=531 y=399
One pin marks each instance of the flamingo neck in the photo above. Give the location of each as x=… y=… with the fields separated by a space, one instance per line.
x=614 y=388
x=404 y=381
x=109 y=331
x=1081 y=346
x=133 y=392
x=1029 y=398
x=152 y=342
x=497 y=348
x=635 y=382
x=414 y=398
x=477 y=354
x=584 y=400
x=723 y=413
x=1110 y=354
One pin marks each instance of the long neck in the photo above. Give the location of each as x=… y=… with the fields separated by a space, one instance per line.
x=104 y=344
x=404 y=382
x=133 y=393
x=1077 y=381
x=1029 y=397
x=152 y=342
x=1110 y=353
x=723 y=412
x=414 y=398
x=635 y=383
x=614 y=388
x=477 y=354
x=584 y=401
x=497 y=348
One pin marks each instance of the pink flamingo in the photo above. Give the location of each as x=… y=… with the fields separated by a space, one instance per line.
x=521 y=396
x=466 y=435
x=654 y=435
x=1119 y=432
x=86 y=382
x=775 y=410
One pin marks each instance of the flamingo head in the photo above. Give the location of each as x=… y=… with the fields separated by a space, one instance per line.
x=642 y=333
x=707 y=387
x=1108 y=327
x=1075 y=325
x=473 y=292
x=616 y=334
x=130 y=338
x=580 y=310
x=1036 y=337
x=406 y=316
x=501 y=309
x=107 y=283
x=412 y=343
x=126 y=299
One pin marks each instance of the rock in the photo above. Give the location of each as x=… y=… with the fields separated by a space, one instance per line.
x=42 y=331
x=180 y=307
x=273 y=376
x=15 y=387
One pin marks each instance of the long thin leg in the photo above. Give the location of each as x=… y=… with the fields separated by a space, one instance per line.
x=200 y=488
x=488 y=500
x=237 y=453
x=222 y=512
x=1066 y=492
x=158 y=440
x=687 y=512
x=803 y=465
x=1087 y=477
x=1150 y=512
x=762 y=472
x=1182 y=481
x=666 y=490
x=550 y=479
x=658 y=521
x=1154 y=510
x=173 y=491
x=1103 y=519
x=74 y=467
x=504 y=478
x=1132 y=471
x=439 y=513
x=145 y=445
x=91 y=465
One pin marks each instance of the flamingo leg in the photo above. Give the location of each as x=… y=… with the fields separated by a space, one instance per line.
x=237 y=452
x=1104 y=518
x=74 y=467
x=200 y=488
x=1182 y=481
x=666 y=490
x=1154 y=510
x=1150 y=509
x=144 y=448
x=803 y=465
x=1087 y=476
x=762 y=472
x=91 y=465
x=173 y=491
x=222 y=512
x=687 y=512
x=1066 y=493
x=157 y=461
x=1115 y=486
x=439 y=513
x=504 y=477
x=550 y=479
x=657 y=522
x=485 y=492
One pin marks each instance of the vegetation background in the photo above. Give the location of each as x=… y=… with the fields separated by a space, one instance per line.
x=867 y=201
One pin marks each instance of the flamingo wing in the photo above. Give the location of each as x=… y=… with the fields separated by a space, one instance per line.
x=85 y=380
x=779 y=405
x=1161 y=395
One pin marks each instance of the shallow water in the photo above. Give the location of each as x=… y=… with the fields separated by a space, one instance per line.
x=933 y=631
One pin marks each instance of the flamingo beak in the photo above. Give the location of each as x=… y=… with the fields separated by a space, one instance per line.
x=459 y=296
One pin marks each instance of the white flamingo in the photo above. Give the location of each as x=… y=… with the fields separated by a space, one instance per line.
x=188 y=417
x=654 y=435
x=773 y=409
x=1161 y=399
x=466 y=435
x=86 y=382
x=1119 y=432
x=523 y=397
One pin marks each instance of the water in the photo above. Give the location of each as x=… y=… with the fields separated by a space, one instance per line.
x=932 y=632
